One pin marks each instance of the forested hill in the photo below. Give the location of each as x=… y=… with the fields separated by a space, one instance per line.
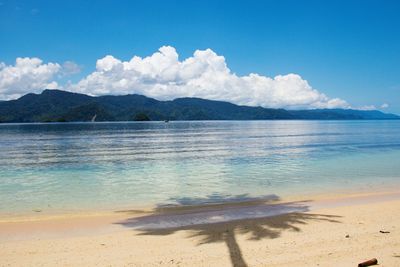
x=62 y=106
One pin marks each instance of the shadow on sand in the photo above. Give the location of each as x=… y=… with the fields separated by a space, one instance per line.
x=219 y=218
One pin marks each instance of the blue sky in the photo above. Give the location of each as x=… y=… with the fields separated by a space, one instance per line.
x=345 y=49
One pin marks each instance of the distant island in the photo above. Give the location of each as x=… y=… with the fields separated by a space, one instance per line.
x=62 y=106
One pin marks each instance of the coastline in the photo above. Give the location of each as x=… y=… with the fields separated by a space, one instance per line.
x=333 y=194
x=305 y=237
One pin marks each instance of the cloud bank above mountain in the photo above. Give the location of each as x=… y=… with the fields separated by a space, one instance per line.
x=28 y=75
x=163 y=76
x=204 y=75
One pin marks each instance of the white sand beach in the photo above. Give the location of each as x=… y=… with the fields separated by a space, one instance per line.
x=338 y=230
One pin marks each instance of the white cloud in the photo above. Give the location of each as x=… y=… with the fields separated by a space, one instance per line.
x=26 y=76
x=163 y=76
x=385 y=105
x=205 y=75
x=70 y=68
x=367 y=107
x=373 y=107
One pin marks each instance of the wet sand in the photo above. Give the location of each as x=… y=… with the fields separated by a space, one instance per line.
x=340 y=230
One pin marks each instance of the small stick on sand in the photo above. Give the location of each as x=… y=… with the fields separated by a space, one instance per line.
x=368 y=263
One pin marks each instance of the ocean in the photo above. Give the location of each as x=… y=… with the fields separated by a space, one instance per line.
x=75 y=167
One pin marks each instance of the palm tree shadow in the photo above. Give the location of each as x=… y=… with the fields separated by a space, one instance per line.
x=217 y=219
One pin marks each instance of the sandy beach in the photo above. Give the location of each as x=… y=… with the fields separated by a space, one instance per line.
x=335 y=231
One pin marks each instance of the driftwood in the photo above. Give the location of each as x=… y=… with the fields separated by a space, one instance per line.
x=368 y=263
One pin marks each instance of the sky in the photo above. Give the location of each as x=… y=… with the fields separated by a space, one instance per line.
x=289 y=54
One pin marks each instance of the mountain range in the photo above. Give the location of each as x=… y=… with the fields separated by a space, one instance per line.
x=62 y=106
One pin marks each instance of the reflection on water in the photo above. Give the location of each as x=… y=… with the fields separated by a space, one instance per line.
x=74 y=166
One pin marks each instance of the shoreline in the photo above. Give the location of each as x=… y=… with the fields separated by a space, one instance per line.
x=332 y=195
x=264 y=207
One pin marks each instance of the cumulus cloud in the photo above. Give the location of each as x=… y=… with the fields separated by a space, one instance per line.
x=206 y=75
x=367 y=107
x=373 y=107
x=163 y=76
x=26 y=76
x=70 y=68
x=385 y=105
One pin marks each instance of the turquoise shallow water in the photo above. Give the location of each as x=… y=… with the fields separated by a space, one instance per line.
x=83 y=166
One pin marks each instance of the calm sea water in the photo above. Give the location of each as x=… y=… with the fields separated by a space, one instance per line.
x=83 y=166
